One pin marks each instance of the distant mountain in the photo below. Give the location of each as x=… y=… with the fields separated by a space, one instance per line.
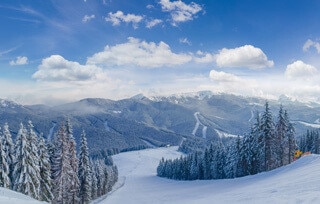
x=140 y=121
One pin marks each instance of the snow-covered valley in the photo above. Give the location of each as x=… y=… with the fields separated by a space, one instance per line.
x=298 y=182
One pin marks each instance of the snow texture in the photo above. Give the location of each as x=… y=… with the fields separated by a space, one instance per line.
x=298 y=182
x=12 y=197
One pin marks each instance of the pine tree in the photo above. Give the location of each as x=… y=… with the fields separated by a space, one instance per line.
x=8 y=148
x=290 y=138
x=4 y=167
x=74 y=180
x=84 y=171
x=45 y=174
x=280 y=140
x=26 y=165
x=61 y=168
x=267 y=129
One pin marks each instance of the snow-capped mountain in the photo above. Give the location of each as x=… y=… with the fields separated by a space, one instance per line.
x=140 y=121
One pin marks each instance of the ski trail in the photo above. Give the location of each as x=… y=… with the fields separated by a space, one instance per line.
x=196 y=127
x=54 y=124
x=197 y=123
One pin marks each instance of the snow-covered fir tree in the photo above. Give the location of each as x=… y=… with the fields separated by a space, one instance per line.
x=8 y=148
x=4 y=166
x=61 y=169
x=45 y=171
x=85 y=176
x=74 y=182
x=26 y=175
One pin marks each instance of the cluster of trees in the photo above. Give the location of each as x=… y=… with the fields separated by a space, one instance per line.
x=310 y=142
x=53 y=171
x=268 y=145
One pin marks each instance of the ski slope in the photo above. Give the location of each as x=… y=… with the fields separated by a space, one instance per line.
x=296 y=183
x=12 y=197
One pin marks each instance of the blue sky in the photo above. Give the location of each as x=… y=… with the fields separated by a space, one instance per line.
x=58 y=51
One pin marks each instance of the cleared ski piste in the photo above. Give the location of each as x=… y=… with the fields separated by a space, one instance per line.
x=298 y=182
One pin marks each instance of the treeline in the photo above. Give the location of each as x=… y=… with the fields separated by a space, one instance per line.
x=310 y=142
x=52 y=171
x=269 y=145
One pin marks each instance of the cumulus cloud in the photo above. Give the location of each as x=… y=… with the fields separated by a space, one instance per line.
x=223 y=76
x=153 y=23
x=56 y=68
x=88 y=18
x=309 y=43
x=180 y=11
x=245 y=56
x=119 y=16
x=19 y=61
x=300 y=70
x=139 y=53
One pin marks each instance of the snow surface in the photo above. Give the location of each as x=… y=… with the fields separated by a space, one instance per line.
x=298 y=182
x=12 y=197
x=222 y=134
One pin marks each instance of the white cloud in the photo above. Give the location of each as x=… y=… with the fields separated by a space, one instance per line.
x=119 y=16
x=245 y=56
x=300 y=70
x=139 y=53
x=153 y=23
x=223 y=76
x=203 y=57
x=88 y=18
x=309 y=43
x=56 y=68
x=185 y=41
x=19 y=61
x=180 y=11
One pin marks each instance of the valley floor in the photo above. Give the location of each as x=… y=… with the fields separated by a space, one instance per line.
x=298 y=182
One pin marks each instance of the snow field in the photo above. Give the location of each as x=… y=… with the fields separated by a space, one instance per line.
x=298 y=182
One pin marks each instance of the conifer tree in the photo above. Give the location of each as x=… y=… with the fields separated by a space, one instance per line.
x=84 y=171
x=8 y=148
x=4 y=167
x=26 y=166
x=61 y=168
x=45 y=172
x=74 y=180
x=291 y=141
x=267 y=129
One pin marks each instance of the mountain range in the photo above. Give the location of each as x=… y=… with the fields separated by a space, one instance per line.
x=140 y=122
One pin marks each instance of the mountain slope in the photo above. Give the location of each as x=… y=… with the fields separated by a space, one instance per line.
x=139 y=121
x=298 y=182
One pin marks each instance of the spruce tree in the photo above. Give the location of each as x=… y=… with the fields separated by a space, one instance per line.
x=4 y=167
x=8 y=148
x=26 y=165
x=84 y=171
x=45 y=172
x=74 y=180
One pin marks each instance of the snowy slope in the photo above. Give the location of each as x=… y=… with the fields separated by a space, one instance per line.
x=138 y=183
x=12 y=197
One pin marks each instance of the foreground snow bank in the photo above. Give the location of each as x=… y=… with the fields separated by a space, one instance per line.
x=12 y=197
x=295 y=183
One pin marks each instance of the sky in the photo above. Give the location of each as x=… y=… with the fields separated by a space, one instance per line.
x=58 y=51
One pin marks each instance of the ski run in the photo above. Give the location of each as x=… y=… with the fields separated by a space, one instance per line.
x=298 y=182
